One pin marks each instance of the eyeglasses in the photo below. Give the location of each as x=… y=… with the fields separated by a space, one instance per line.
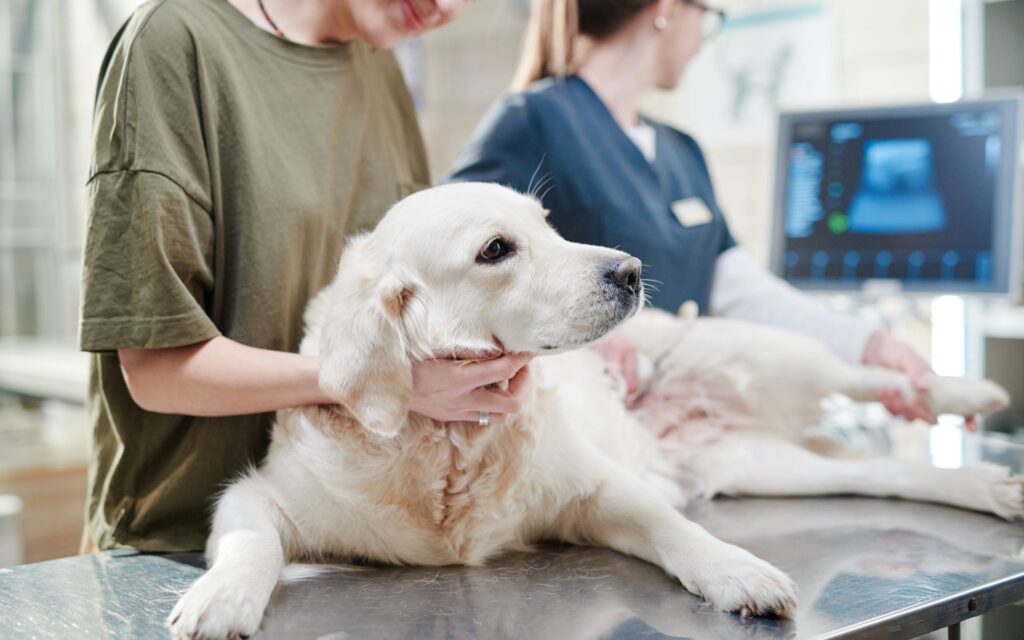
x=712 y=18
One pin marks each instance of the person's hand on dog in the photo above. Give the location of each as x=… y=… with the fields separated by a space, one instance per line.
x=619 y=351
x=460 y=390
x=883 y=350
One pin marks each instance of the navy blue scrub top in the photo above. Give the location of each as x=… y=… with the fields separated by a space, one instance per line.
x=598 y=186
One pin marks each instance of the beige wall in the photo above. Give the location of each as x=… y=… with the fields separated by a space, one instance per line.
x=470 y=63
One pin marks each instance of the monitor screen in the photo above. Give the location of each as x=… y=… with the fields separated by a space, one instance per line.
x=922 y=195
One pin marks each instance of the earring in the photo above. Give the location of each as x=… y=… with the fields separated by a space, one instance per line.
x=660 y=23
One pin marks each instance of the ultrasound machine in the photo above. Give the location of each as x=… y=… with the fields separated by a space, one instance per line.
x=922 y=199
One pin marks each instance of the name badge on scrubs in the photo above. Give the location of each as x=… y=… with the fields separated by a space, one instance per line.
x=691 y=212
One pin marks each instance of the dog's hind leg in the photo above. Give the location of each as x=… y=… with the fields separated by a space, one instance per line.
x=627 y=516
x=246 y=555
x=752 y=465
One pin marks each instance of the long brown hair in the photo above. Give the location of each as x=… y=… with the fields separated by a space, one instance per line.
x=551 y=45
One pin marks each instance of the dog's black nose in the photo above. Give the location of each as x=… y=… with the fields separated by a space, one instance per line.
x=625 y=275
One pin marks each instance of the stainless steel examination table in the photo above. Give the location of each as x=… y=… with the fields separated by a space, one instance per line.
x=865 y=568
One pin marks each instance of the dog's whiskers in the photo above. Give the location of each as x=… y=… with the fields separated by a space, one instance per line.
x=540 y=185
x=548 y=190
x=650 y=283
x=531 y=190
x=529 y=185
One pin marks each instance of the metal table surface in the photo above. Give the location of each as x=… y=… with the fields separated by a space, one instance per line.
x=865 y=568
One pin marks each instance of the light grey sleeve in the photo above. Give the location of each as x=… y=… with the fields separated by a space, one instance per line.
x=743 y=290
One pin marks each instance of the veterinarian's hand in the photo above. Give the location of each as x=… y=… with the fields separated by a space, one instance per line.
x=883 y=350
x=450 y=390
x=620 y=353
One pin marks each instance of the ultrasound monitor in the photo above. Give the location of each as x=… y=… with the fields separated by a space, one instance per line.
x=921 y=197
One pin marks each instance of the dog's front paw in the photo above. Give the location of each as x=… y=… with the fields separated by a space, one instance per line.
x=216 y=608
x=733 y=579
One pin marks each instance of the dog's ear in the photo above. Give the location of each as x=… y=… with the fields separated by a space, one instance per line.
x=364 y=361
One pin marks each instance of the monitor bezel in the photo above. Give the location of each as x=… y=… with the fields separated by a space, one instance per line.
x=1007 y=276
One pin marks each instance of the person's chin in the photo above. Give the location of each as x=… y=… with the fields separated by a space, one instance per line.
x=668 y=84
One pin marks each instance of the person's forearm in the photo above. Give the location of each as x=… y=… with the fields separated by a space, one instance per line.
x=220 y=377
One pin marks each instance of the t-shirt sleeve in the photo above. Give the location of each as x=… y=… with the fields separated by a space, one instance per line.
x=148 y=276
x=148 y=272
x=503 y=149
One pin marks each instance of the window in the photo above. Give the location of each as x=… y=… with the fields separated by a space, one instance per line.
x=38 y=256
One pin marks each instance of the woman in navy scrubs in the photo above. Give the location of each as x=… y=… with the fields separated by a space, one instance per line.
x=572 y=134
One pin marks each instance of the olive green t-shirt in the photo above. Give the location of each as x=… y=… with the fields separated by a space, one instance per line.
x=230 y=165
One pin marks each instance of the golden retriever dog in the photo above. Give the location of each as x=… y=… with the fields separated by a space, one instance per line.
x=475 y=268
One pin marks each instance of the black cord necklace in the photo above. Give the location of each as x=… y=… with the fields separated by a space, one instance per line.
x=270 y=21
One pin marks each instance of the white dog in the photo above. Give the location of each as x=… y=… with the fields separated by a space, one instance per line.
x=476 y=267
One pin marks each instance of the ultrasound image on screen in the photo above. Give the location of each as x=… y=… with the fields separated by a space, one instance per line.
x=897 y=177
x=899 y=198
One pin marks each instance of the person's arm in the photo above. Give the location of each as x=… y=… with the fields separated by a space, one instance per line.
x=221 y=377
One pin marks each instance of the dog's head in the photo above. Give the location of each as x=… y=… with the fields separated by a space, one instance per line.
x=461 y=268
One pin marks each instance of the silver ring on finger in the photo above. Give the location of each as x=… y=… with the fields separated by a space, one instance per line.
x=484 y=419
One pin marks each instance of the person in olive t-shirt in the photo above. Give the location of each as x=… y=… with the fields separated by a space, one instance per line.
x=237 y=144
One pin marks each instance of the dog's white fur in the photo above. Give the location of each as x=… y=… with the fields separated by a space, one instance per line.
x=720 y=415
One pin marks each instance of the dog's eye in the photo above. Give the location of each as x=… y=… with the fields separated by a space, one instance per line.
x=495 y=250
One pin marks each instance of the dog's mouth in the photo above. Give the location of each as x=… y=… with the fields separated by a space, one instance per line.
x=625 y=307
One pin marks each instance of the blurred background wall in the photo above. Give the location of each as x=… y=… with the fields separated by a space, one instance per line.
x=775 y=53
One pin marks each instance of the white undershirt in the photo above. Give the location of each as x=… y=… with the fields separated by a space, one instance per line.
x=643 y=137
x=743 y=290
